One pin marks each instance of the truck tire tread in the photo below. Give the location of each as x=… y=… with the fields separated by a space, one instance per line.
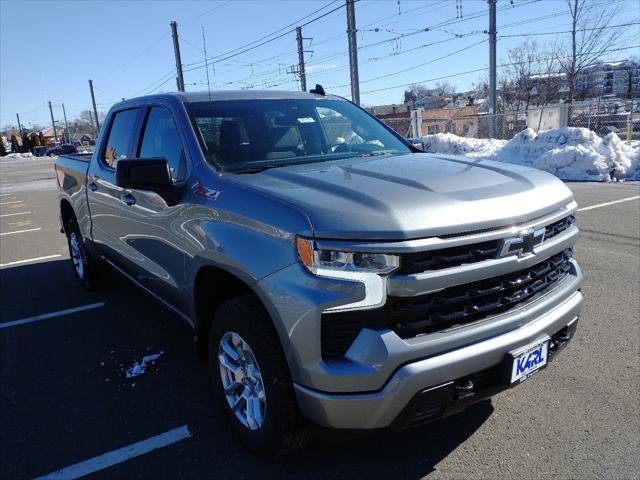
x=294 y=431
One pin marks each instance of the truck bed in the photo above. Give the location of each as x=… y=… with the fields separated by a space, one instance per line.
x=71 y=170
x=82 y=157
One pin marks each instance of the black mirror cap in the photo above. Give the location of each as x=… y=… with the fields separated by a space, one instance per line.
x=143 y=174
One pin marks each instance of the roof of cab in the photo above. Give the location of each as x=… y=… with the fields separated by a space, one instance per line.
x=217 y=95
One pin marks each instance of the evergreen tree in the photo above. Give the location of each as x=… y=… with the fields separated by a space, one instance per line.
x=26 y=143
x=15 y=146
x=35 y=140
x=3 y=151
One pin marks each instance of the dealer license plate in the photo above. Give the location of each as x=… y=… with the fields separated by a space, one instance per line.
x=528 y=360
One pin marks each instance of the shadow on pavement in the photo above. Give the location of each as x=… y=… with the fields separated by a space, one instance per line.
x=81 y=394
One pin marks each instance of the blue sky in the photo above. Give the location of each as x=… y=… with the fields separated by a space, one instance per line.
x=49 y=49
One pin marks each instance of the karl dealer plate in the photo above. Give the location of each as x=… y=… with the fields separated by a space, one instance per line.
x=528 y=360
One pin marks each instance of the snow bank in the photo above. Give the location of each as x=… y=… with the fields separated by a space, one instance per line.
x=569 y=153
x=18 y=155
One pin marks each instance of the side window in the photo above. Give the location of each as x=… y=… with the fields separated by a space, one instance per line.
x=161 y=140
x=119 y=137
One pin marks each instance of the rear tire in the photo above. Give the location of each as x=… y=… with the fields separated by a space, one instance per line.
x=242 y=340
x=91 y=271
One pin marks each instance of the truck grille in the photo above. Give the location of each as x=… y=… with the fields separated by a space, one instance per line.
x=465 y=303
x=559 y=226
x=411 y=316
x=476 y=252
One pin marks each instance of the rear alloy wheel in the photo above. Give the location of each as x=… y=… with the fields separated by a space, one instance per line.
x=252 y=380
x=92 y=272
x=77 y=255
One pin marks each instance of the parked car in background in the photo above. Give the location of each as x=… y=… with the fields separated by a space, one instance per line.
x=332 y=273
x=64 y=149
x=40 y=151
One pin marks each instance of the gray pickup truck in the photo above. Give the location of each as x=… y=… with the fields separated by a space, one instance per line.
x=333 y=274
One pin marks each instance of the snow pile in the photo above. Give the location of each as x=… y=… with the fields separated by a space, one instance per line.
x=569 y=153
x=138 y=368
x=19 y=155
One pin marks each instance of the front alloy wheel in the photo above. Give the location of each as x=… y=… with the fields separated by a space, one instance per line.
x=248 y=367
x=242 y=381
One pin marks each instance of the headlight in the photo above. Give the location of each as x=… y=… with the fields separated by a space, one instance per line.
x=367 y=268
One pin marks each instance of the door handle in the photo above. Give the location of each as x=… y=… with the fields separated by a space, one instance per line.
x=128 y=199
x=93 y=186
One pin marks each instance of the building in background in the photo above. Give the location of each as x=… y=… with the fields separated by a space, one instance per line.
x=49 y=136
x=609 y=78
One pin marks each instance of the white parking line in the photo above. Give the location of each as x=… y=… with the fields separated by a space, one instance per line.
x=10 y=203
x=591 y=207
x=46 y=316
x=21 y=231
x=5 y=194
x=28 y=260
x=123 y=454
x=14 y=214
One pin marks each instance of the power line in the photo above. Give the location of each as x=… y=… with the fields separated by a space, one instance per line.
x=481 y=70
x=205 y=13
x=568 y=31
x=399 y=72
x=395 y=53
x=259 y=42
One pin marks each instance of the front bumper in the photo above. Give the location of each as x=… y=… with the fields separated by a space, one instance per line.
x=426 y=389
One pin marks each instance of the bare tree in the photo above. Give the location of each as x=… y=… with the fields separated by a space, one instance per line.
x=414 y=92
x=520 y=76
x=85 y=121
x=444 y=89
x=590 y=38
x=439 y=95
x=550 y=79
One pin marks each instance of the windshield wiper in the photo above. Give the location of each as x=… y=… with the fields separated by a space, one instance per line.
x=377 y=152
x=253 y=169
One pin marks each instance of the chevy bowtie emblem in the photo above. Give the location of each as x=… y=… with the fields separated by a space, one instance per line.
x=523 y=244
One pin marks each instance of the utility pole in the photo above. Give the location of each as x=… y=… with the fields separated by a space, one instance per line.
x=53 y=123
x=19 y=125
x=206 y=63
x=176 y=51
x=353 y=52
x=492 y=68
x=95 y=110
x=301 y=70
x=66 y=125
x=95 y=133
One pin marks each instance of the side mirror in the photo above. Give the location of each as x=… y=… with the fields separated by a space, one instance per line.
x=151 y=174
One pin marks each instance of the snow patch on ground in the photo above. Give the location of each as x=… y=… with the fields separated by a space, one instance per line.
x=138 y=368
x=18 y=155
x=570 y=153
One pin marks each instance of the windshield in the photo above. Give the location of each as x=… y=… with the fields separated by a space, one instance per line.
x=248 y=135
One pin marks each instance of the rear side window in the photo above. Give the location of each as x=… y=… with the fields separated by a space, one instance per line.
x=161 y=140
x=119 y=137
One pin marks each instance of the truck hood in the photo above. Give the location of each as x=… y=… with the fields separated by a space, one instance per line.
x=411 y=195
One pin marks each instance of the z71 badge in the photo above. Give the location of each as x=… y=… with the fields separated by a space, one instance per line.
x=208 y=193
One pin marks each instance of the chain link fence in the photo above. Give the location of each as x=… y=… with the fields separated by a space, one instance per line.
x=621 y=116
x=614 y=115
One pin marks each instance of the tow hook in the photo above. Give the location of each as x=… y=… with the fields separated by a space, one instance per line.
x=465 y=390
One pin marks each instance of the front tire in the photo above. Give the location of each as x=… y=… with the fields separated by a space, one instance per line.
x=252 y=380
x=91 y=272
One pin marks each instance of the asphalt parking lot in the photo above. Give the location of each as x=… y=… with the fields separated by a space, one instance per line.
x=65 y=396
